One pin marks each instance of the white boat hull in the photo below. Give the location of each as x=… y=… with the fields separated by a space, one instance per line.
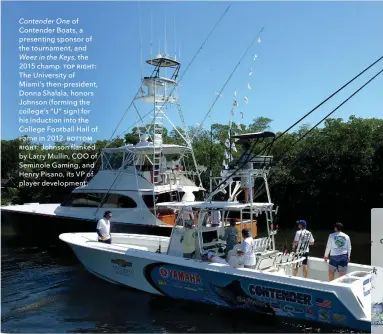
x=341 y=303
x=40 y=224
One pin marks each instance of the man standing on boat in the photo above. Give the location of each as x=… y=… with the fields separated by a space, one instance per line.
x=247 y=250
x=103 y=228
x=189 y=240
x=230 y=236
x=302 y=240
x=339 y=249
x=216 y=218
x=246 y=181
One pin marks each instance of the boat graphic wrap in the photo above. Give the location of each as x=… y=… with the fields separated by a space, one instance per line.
x=284 y=295
x=233 y=295
x=230 y=291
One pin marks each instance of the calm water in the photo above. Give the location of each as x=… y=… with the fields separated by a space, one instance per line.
x=47 y=290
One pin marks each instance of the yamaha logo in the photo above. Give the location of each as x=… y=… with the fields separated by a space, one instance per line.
x=164 y=272
x=178 y=275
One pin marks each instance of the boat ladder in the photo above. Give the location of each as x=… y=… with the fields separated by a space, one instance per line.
x=157 y=143
x=221 y=188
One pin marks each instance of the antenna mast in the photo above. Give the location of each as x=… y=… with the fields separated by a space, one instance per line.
x=139 y=17
x=151 y=35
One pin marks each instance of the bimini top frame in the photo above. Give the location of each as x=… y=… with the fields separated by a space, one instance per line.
x=246 y=213
x=255 y=135
x=129 y=155
x=218 y=205
x=164 y=61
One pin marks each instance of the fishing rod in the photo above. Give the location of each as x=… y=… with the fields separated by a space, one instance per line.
x=303 y=247
x=166 y=102
x=230 y=76
x=328 y=98
x=292 y=254
x=316 y=107
x=262 y=188
x=196 y=54
x=243 y=163
x=317 y=124
x=298 y=253
x=330 y=113
x=300 y=247
x=187 y=68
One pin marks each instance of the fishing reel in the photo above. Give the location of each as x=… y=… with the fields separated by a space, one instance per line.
x=272 y=230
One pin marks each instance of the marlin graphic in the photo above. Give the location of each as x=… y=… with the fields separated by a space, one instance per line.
x=121 y=263
x=234 y=296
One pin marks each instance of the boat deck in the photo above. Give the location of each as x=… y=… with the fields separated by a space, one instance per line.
x=44 y=209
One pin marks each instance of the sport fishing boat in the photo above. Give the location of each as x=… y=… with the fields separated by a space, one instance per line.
x=131 y=178
x=155 y=264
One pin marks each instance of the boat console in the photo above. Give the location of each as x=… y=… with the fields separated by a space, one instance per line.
x=210 y=240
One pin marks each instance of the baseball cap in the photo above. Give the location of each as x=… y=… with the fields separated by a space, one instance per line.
x=246 y=232
x=302 y=222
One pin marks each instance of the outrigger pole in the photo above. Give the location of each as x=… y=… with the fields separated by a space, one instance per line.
x=139 y=90
x=317 y=124
x=230 y=76
x=268 y=146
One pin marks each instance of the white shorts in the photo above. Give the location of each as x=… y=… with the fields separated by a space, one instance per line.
x=246 y=183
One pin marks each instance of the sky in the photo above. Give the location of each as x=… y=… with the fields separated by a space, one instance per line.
x=307 y=51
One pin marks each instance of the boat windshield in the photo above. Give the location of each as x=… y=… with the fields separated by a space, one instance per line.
x=113 y=159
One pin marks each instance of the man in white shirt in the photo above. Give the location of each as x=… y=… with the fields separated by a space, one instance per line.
x=215 y=259
x=247 y=250
x=302 y=240
x=339 y=249
x=103 y=228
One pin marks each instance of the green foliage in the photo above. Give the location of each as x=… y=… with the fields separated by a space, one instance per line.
x=334 y=174
x=260 y=124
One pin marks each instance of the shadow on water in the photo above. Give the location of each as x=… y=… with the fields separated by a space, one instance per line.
x=46 y=289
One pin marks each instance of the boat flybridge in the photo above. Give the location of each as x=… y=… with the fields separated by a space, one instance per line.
x=157 y=264
x=131 y=179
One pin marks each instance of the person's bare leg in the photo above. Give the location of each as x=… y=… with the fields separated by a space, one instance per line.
x=341 y=274
x=305 y=270
x=331 y=275
x=295 y=271
x=246 y=194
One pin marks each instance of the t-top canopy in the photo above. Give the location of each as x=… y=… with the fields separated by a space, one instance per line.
x=216 y=205
x=255 y=135
x=147 y=148
x=163 y=62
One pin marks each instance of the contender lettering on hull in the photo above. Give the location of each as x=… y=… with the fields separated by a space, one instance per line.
x=289 y=296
